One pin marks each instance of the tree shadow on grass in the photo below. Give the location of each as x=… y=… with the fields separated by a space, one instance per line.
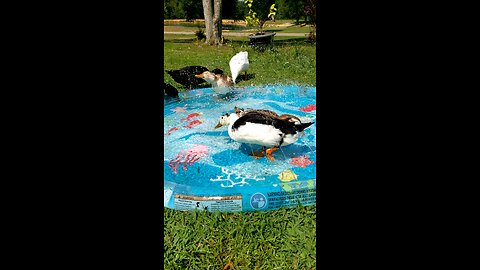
x=180 y=40
x=292 y=41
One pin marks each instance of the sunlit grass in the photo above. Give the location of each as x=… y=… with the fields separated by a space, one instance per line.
x=281 y=26
x=293 y=60
x=281 y=239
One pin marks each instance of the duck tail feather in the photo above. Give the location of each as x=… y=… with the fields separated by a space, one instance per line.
x=303 y=126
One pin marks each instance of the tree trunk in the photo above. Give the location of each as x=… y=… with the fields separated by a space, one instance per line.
x=207 y=13
x=261 y=24
x=217 y=21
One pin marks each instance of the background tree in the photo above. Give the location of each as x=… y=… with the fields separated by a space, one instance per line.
x=208 y=16
x=213 y=21
x=259 y=11
x=192 y=9
x=310 y=10
x=173 y=10
x=182 y=9
x=240 y=12
x=291 y=9
x=217 y=21
x=229 y=9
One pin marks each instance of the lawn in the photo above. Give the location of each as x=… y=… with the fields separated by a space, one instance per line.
x=293 y=60
x=281 y=239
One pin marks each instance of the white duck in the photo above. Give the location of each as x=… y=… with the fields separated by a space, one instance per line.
x=262 y=129
x=238 y=64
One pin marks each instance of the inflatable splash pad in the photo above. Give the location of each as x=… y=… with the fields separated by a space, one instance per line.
x=204 y=169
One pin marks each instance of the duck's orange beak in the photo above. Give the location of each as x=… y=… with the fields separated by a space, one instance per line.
x=199 y=76
x=218 y=125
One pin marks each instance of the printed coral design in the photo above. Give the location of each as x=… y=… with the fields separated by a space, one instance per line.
x=188 y=157
x=238 y=176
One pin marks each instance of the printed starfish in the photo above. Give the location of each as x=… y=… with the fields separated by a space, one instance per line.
x=179 y=109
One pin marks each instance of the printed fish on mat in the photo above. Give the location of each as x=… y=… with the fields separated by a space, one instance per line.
x=171 y=130
x=287 y=176
x=193 y=123
x=190 y=116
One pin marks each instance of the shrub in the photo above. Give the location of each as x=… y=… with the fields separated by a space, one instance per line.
x=200 y=34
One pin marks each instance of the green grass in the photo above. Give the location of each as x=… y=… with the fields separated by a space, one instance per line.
x=293 y=29
x=281 y=26
x=281 y=239
x=293 y=60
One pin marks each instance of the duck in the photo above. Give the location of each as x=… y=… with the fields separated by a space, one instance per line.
x=262 y=129
x=217 y=71
x=217 y=80
x=186 y=75
x=170 y=91
x=238 y=64
x=291 y=118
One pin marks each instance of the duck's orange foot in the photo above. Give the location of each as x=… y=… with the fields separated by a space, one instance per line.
x=257 y=154
x=269 y=153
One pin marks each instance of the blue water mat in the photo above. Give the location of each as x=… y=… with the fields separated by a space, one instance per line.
x=205 y=169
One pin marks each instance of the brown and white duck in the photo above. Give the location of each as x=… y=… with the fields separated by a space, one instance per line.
x=217 y=80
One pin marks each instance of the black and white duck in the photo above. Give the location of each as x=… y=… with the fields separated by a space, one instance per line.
x=186 y=75
x=170 y=91
x=262 y=129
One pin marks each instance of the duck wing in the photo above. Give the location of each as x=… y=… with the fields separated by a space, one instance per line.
x=224 y=80
x=267 y=112
x=284 y=126
x=238 y=63
x=244 y=111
